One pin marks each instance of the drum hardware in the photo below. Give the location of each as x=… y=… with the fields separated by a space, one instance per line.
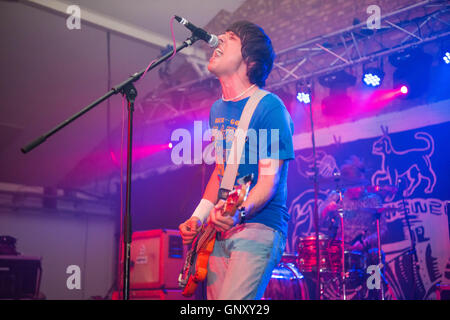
x=341 y=216
x=380 y=261
x=377 y=210
x=383 y=191
x=286 y=282
x=336 y=181
x=329 y=253
x=342 y=267
x=414 y=265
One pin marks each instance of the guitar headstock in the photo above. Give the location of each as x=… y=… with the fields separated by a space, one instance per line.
x=238 y=195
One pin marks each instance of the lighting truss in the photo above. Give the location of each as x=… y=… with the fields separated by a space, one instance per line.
x=414 y=25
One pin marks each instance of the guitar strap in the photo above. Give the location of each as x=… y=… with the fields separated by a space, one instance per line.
x=237 y=147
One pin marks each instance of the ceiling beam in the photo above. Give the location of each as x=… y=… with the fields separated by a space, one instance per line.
x=114 y=25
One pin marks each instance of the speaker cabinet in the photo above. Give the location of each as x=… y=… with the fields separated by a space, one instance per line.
x=20 y=277
x=157 y=257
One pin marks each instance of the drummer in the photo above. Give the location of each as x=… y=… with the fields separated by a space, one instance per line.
x=360 y=229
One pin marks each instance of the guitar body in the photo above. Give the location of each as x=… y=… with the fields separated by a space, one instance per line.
x=195 y=267
x=201 y=268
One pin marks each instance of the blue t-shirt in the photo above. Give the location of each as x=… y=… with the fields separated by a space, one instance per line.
x=269 y=136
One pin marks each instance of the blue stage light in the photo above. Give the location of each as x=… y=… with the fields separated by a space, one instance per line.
x=446 y=57
x=373 y=77
x=304 y=97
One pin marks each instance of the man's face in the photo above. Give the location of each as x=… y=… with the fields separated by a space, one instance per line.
x=227 y=57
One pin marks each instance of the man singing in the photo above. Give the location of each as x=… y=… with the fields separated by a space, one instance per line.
x=250 y=244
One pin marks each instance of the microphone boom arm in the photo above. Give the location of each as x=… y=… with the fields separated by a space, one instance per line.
x=116 y=89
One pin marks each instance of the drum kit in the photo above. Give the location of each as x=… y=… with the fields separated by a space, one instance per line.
x=342 y=271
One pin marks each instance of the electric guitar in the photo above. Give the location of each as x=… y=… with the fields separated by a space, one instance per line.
x=195 y=266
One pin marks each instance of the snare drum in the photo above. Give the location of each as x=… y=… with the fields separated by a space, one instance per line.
x=330 y=254
x=286 y=283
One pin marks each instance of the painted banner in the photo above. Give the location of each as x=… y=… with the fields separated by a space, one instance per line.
x=417 y=158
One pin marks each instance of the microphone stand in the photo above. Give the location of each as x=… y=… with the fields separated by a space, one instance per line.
x=127 y=89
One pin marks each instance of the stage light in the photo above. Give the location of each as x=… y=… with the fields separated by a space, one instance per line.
x=338 y=104
x=303 y=97
x=338 y=80
x=303 y=89
x=446 y=57
x=373 y=77
x=404 y=89
x=413 y=67
x=170 y=145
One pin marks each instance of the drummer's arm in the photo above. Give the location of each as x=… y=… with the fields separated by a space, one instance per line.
x=330 y=204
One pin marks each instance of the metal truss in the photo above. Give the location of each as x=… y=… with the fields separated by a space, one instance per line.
x=415 y=25
x=411 y=26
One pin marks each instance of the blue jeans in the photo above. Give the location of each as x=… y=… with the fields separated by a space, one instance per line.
x=242 y=262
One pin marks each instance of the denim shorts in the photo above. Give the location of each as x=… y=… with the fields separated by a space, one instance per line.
x=242 y=262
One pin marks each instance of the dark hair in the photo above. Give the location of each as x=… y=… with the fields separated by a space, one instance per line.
x=257 y=50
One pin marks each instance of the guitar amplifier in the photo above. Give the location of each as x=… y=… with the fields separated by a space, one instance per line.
x=20 y=277
x=157 y=257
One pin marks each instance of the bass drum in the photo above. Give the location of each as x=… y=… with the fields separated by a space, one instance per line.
x=286 y=283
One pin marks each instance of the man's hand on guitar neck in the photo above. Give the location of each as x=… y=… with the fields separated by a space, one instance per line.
x=189 y=229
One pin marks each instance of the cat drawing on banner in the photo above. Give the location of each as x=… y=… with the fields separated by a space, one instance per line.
x=413 y=164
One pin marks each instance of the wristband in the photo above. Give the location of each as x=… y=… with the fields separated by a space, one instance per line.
x=203 y=209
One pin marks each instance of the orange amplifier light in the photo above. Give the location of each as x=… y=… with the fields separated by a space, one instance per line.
x=157 y=257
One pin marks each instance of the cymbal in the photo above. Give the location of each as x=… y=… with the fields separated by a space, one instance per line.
x=377 y=209
x=335 y=182
x=383 y=191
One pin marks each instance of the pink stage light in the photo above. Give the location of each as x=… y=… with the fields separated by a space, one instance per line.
x=145 y=151
x=404 y=89
x=140 y=152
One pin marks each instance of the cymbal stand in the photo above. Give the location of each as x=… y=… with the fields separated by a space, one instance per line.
x=413 y=250
x=319 y=291
x=341 y=215
x=380 y=266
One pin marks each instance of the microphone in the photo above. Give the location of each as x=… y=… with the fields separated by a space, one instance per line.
x=211 y=39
